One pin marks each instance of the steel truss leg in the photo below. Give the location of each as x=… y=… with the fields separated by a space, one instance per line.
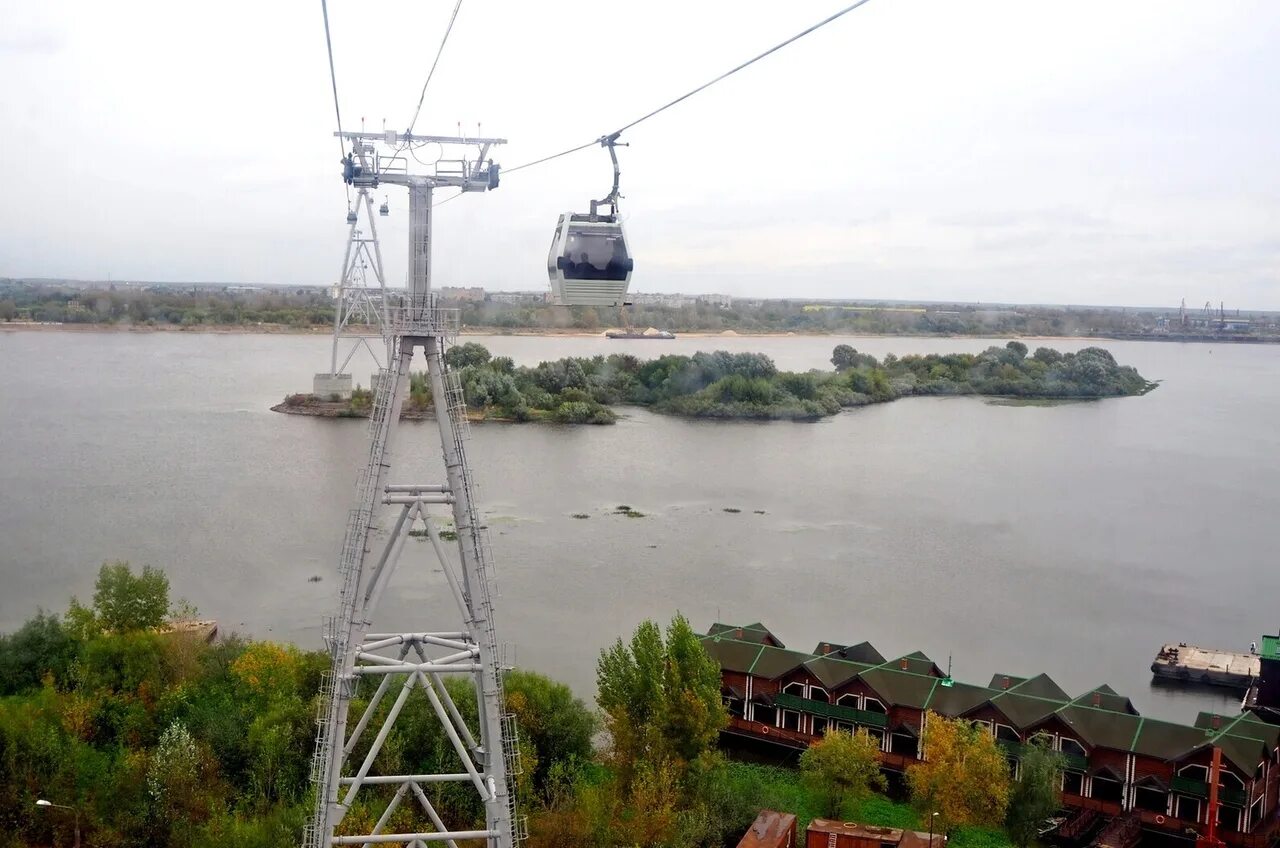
x=419 y=661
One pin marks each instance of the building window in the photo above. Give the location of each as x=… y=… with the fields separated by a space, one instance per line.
x=819 y=726
x=1229 y=819
x=848 y=701
x=791 y=720
x=1071 y=746
x=1195 y=772
x=1045 y=739
x=765 y=714
x=1255 y=813
x=1187 y=809
x=1151 y=799
x=1105 y=789
x=904 y=743
x=796 y=689
x=817 y=693
x=1073 y=783
x=1005 y=733
x=734 y=706
x=844 y=727
x=872 y=705
x=876 y=734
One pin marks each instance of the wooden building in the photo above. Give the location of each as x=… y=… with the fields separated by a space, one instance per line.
x=771 y=829
x=1117 y=760
x=824 y=833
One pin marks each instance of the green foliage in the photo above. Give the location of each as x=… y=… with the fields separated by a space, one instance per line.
x=558 y=725
x=963 y=777
x=123 y=601
x=1035 y=796
x=661 y=702
x=842 y=767
x=41 y=646
x=468 y=354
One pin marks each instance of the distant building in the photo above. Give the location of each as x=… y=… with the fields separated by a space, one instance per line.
x=723 y=301
x=474 y=294
x=517 y=297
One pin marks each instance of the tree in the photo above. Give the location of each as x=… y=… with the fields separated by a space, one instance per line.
x=1035 y=796
x=844 y=357
x=1017 y=347
x=123 y=601
x=964 y=777
x=470 y=353
x=661 y=701
x=842 y=767
x=558 y=725
x=41 y=646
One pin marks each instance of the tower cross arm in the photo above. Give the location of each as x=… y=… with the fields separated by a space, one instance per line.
x=395 y=138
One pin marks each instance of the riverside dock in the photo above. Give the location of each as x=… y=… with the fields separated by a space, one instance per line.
x=1193 y=664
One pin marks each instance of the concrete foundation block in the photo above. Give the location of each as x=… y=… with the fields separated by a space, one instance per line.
x=325 y=386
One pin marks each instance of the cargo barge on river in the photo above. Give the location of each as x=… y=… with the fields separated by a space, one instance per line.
x=1192 y=664
x=1120 y=766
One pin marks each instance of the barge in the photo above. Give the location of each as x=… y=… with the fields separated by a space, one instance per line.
x=1193 y=664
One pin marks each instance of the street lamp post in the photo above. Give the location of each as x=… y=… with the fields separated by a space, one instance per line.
x=43 y=803
x=931 y=818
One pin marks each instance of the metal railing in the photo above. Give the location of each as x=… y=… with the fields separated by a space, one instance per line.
x=419 y=316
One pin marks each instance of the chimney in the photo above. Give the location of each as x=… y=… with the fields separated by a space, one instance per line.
x=1216 y=722
x=826 y=649
x=737 y=634
x=1004 y=684
x=903 y=663
x=1097 y=699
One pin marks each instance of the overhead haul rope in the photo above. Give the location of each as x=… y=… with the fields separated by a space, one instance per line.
x=602 y=139
x=333 y=79
x=421 y=97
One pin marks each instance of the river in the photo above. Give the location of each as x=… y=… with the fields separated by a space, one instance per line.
x=1070 y=539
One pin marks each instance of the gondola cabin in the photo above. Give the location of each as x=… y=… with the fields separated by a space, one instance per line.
x=589 y=264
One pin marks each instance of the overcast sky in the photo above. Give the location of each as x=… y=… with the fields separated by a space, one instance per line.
x=998 y=150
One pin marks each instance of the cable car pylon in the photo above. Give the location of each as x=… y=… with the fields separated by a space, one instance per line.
x=347 y=765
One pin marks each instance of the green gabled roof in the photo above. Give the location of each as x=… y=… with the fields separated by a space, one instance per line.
x=901 y=688
x=1041 y=686
x=1246 y=725
x=1244 y=753
x=1165 y=740
x=772 y=663
x=958 y=699
x=1025 y=710
x=1107 y=699
x=757 y=633
x=1101 y=727
x=916 y=663
x=863 y=652
x=997 y=681
x=732 y=654
x=832 y=671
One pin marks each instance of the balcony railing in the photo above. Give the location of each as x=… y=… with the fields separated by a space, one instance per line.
x=831 y=711
x=1190 y=786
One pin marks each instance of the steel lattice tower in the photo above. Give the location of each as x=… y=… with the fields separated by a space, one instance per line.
x=413 y=664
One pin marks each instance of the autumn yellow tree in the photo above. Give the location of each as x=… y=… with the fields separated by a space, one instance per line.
x=842 y=767
x=964 y=776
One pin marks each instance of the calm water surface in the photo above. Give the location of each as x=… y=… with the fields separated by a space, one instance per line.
x=1072 y=539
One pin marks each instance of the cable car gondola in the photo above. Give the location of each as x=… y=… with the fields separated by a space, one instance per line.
x=351 y=214
x=384 y=210
x=589 y=264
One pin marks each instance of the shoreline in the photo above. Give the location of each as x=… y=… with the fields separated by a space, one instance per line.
x=535 y=332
